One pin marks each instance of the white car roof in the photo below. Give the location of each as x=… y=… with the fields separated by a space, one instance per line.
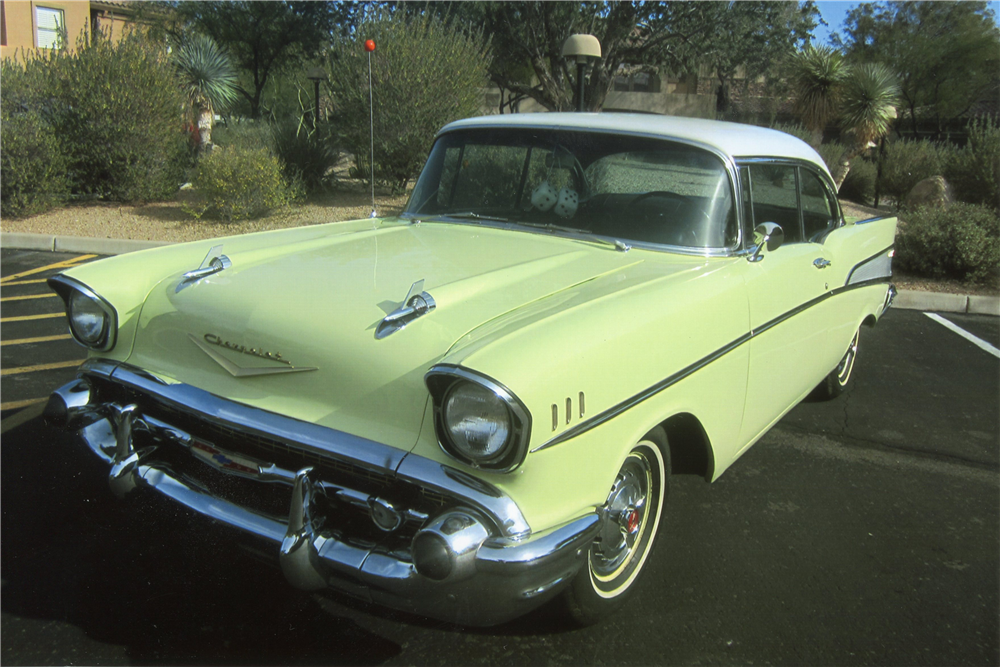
x=732 y=139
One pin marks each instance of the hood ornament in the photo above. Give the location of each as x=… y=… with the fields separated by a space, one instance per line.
x=209 y=342
x=214 y=262
x=416 y=304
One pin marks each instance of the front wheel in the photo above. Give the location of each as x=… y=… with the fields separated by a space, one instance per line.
x=631 y=517
x=833 y=385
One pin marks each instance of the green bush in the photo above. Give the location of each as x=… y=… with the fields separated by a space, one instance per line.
x=33 y=175
x=119 y=117
x=241 y=183
x=425 y=74
x=961 y=241
x=306 y=154
x=974 y=171
x=245 y=135
x=859 y=186
x=906 y=163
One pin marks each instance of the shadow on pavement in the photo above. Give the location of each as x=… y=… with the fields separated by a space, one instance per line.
x=143 y=578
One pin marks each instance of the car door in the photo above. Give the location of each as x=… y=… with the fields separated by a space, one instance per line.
x=787 y=292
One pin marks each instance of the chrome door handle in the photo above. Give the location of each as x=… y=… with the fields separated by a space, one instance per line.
x=821 y=263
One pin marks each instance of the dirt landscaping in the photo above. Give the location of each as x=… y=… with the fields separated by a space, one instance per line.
x=172 y=221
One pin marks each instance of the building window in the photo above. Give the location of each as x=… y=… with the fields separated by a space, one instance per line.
x=51 y=27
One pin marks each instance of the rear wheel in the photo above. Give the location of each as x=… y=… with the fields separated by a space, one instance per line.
x=834 y=384
x=618 y=554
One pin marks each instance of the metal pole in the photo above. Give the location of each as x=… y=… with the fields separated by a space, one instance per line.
x=580 y=67
x=371 y=129
x=316 y=95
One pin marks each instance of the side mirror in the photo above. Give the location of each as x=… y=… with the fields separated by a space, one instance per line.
x=767 y=234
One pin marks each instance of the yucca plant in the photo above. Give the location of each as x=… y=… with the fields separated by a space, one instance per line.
x=817 y=75
x=208 y=79
x=868 y=106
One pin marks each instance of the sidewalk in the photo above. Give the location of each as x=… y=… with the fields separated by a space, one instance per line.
x=938 y=302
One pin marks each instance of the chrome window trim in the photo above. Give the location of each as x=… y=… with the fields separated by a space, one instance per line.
x=824 y=177
x=64 y=286
x=322 y=440
x=727 y=161
x=440 y=378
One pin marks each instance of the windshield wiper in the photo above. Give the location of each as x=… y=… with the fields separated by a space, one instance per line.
x=472 y=215
x=586 y=234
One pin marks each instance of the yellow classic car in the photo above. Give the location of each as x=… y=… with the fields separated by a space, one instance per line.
x=475 y=407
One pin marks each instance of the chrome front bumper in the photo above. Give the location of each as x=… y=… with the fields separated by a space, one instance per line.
x=471 y=560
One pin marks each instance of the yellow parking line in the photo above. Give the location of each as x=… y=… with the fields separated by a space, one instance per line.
x=65 y=264
x=14 y=405
x=25 y=282
x=25 y=298
x=25 y=318
x=41 y=367
x=39 y=339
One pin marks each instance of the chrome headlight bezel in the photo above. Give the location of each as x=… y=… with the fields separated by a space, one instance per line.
x=70 y=289
x=443 y=381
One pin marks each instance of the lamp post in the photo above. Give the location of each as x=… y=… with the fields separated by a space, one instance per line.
x=316 y=75
x=584 y=49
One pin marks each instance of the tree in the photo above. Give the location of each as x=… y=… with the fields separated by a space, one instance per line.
x=207 y=78
x=752 y=38
x=527 y=37
x=425 y=74
x=817 y=74
x=868 y=107
x=265 y=37
x=946 y=54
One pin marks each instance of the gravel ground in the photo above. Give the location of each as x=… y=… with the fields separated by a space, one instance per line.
x=171 y=221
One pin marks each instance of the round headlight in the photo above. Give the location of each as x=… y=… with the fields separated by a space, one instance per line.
x=87 y=318
x=477 y=421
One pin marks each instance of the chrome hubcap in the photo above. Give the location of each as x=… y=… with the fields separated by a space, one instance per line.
x=625 y=513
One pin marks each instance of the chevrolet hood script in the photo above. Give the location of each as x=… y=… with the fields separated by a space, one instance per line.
x=210 y=343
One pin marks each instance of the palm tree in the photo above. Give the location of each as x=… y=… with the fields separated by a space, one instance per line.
x=817 y=75
x=868 y=107
x=208 y=79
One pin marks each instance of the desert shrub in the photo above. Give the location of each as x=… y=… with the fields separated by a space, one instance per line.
x=33 y=175
x=120 y=119
x=859 y=186
x=425 y=74
x=245 y=135
x=961 y=241
x=307 y=154
x=906 y=163
x=974 y=171
x=241 y=183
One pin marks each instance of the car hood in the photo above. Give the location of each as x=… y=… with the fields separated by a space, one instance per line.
x=296 y=321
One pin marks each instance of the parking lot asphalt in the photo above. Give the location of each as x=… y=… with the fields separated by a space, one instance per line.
x=861 y=531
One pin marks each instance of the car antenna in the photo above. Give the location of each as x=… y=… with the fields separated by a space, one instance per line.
x=370 y=48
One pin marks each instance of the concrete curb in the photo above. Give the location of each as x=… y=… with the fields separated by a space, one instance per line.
x=52 y=243
x=906 y=299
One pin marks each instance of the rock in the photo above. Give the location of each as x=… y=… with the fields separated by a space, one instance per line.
x=933 y=191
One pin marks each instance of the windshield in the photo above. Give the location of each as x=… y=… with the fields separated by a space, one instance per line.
x=635 y=189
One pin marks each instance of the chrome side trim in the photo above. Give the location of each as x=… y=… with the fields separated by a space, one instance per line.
x=877 y=266
x=63 y=286
x=651 y=391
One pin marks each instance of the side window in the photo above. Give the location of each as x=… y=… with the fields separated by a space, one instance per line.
x=774 y=191
x=818 y=213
